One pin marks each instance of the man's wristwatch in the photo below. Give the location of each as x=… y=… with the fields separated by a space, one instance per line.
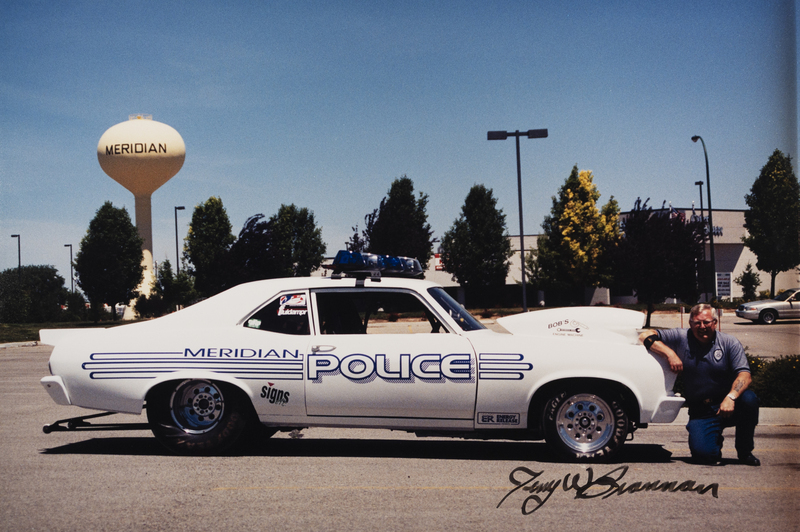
x=732 y=397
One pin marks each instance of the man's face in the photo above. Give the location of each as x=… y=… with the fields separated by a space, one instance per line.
x=704 y=326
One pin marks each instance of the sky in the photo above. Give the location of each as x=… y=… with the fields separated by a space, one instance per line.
x=324 y=104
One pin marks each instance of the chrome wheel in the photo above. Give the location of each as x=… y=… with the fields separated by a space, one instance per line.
x=197 y=406
x=585 y=423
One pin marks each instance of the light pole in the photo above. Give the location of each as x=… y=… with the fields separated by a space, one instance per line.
x=531 y=134
x=177 y=256
x=710 y=218
x=71 y=276
x=19 y=256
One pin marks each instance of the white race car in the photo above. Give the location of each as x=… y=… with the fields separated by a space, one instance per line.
x=364 y=350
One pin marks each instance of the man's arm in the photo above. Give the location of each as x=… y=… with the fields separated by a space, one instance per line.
x=663 y=350
x=740 y=384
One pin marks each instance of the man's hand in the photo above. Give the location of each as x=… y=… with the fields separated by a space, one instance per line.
x=727 y=407
x=675 y=363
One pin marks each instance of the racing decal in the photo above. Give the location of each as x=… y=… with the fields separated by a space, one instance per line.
x=502 y=366
x=567 y=327
x=274 y=395
x=293 y=305
x=364 y=368
x=485 y=418
x=254 y=364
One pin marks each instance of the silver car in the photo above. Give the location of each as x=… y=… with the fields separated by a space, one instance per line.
x=785 y=305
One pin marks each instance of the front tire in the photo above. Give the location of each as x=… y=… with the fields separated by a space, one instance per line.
x=768 y=317
x=584 y=425
x=197 y=417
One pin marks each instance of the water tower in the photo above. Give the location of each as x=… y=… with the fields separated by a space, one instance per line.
x=141 y=155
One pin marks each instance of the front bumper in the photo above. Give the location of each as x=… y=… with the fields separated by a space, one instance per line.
x=748 y=314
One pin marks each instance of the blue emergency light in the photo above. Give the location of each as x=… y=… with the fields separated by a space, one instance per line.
x=363 y=265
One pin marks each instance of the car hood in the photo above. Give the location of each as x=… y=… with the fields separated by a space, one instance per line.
x=589 y=323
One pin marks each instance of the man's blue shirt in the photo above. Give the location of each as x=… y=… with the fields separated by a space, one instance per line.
x=708 y=370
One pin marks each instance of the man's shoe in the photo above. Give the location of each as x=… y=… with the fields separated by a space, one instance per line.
x=750 y=460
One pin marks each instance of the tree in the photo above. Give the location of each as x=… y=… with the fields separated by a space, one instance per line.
x=288 y=244
x=109 y=263
x=32 y=294
x=476 y=248
x=399 y=226
x=749 y=280
x=575 y=248
x=297 y=241
x=168 y=292
x=773 y=220
x=206 y=246
x=658 y=255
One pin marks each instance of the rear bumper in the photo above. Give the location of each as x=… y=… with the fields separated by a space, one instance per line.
x=55 y=387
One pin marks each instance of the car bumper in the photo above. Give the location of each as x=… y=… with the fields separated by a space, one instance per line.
x=667 y=409
x=55 y=387
x=747 y=314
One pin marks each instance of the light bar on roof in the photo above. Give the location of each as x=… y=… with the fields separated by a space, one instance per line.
x=363 y=265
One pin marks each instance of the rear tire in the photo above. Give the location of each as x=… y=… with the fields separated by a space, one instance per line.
x=585 y=425
x=197 y=417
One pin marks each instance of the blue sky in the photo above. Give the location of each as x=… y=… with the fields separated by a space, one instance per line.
x=323 y=104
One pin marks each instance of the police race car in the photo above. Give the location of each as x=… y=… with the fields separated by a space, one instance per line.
x=366 y=350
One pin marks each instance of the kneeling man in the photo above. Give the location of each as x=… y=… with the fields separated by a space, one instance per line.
x=716 y=376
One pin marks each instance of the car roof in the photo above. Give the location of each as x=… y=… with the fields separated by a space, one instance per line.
x=232 y=305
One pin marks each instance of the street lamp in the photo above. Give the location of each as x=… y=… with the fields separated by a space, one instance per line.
x=710 y=218
x=19 y=256
x=71 y=276
x=531 y=134
x=177 y=256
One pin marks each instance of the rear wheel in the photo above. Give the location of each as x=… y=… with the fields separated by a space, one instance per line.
x=768 y=316
x=585 y=425
x=197 y=416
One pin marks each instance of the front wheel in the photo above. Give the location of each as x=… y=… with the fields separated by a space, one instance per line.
x=196 y=416
x=585 y=425
x=768 y=317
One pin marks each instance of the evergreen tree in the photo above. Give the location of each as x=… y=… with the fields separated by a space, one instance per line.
x=476 y=249
x=32 y=294
x=297 y=242
x=399 y=226
x=206 y=247
x=773 y=220
x=109 y=263
x=575 y=248
x=749 y=280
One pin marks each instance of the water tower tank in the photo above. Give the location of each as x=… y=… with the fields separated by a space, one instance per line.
x=141 y=155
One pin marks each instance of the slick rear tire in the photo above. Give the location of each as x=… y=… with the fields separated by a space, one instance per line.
x=585 y=424
x=197 y=417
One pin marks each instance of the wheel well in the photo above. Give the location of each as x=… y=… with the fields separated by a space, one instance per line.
x=229 y=389
x=546 y=392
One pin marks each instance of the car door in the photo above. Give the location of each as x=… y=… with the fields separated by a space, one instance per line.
x=385 y=353
x=792 y=309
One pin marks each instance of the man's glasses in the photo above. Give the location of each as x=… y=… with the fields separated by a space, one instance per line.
x=706 y=323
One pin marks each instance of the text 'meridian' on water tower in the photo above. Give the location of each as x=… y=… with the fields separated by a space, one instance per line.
x=141 y=155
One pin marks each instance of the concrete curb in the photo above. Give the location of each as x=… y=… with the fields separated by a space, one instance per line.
x=766 y=416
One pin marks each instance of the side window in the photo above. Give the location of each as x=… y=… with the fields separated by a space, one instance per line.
x=374 y=312
x=288 y=314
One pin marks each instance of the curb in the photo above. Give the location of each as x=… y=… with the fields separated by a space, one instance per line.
x=766 y=416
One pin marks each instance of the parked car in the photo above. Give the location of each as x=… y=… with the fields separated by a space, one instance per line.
x=361 y=350
x=784 y=305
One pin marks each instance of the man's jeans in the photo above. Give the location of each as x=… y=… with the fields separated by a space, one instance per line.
x=705 y=428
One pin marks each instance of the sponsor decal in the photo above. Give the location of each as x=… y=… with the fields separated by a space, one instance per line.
x=274 y=395
x=293 y=305
x=363 y=368
x=498 y=419
x=567 y=327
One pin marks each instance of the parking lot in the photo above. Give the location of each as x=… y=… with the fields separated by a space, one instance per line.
x=329 y=479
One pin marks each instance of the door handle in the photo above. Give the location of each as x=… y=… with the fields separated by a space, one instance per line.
x=322 y=348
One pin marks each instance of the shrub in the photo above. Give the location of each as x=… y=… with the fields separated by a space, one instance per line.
x=777 y=382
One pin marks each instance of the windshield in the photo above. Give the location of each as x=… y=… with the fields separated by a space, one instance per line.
x=464 y=319
x=785 y=295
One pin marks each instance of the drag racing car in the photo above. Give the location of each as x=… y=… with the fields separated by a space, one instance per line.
x=369 y=346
